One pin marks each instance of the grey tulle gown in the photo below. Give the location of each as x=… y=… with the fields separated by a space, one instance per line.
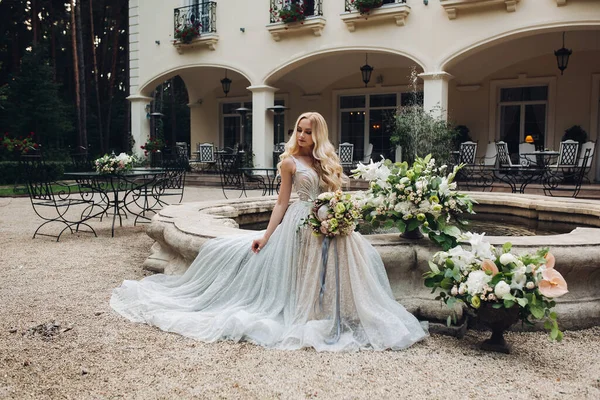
x=272 y=298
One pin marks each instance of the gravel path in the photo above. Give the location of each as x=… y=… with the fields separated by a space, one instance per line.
x=60 y=339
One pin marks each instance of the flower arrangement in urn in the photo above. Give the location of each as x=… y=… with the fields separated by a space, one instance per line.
x=365 y=6
x=486 y=279
x=333 y=214
x=289 y=12
x=112 y=164
x=188 y=32
x=415 y=199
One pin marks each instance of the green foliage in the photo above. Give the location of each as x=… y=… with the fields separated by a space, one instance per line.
x=10 y=171
x=420 y=133
x=289 y=13
x=365 y=6
x=576 y=133
x=34 y=103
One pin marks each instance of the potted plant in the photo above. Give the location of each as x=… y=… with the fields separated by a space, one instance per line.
x=498 y=286
x=365 y=6
x=289 y=12
x=576 y=133
x=188 y=33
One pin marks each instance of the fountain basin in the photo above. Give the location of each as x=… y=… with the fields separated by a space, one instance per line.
x=180 y=230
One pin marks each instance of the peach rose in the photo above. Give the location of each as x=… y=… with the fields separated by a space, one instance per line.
x=550 y=260
x=552 y=284
x=489 y=266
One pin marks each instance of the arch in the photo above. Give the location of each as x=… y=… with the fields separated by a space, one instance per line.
x=148 y=86
x=294 y=63
x=453 y=58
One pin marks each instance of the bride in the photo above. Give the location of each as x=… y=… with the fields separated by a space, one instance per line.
x=264 y=287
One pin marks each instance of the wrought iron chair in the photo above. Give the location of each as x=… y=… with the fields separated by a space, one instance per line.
x=171 y=183
x=568 y=153
x=231 y=176
x=346 y=154
x=567 y=180
x=587 y=164
x=54 y=202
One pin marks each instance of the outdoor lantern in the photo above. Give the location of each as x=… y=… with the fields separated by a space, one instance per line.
x=529 y=139
x=226 y=83
x=366 y=71
x=562 y=56
x=278 y=110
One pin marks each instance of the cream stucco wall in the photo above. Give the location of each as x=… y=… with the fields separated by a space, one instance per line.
x=479 y=46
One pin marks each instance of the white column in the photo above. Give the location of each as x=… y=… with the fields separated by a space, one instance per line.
x=140 y=124
x=262 y=124
x=435 y=92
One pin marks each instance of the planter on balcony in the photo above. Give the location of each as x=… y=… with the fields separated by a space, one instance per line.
x=204 y=40
x=393 y=12
x=310 y=24
x=453 y=6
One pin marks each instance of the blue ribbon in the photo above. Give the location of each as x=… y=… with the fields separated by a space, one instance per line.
x=324 y=257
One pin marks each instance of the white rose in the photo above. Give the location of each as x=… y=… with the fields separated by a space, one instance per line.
x=530 y=285
x=454 y=291
x=462 y=288
x=507 y=258
x=322 y=213
x=476 y=280
x=502 y=289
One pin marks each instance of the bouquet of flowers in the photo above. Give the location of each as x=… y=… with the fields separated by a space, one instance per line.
x=496 y=277
x=365 y=6
x=188 y=33
x=414 y=198
x=111 y=164
x=334 y=213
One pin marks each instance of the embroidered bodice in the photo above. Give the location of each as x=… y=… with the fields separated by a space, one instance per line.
x=306 y=182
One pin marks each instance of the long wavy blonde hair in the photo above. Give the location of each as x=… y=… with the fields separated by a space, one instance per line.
x=326 y=161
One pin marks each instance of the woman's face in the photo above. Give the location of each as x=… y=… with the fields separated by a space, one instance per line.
x=304 y=134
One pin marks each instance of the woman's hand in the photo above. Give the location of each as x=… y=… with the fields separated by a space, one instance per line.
x=258 y=244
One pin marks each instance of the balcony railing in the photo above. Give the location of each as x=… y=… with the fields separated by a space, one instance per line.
x=202 y=15
x=312 y=8
x=349 y=7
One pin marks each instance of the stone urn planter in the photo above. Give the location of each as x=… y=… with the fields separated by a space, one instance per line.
x=498 y=320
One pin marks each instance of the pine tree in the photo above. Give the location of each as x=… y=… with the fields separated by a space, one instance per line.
x=34 y=104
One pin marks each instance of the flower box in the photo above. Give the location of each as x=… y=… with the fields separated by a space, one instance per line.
x=311 y=24
x=396 y=12
x=209 y=40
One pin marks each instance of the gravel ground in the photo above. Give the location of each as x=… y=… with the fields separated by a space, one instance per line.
x=60 y=339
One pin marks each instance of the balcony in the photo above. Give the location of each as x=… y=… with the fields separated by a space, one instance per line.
x=392 y=10
x=296 y=16
x=201 y=20
x=453 y=6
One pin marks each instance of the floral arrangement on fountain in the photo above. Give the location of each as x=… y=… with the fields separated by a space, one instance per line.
x=485 y=277
x=112 y=164
x=289 y=12
x=365 y=6
x=153 y=145
x=19 y=145
x=333 y=214
x=415 y=199
x=188 y=32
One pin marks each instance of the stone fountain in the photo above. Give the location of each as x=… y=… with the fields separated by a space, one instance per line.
x=180 y=230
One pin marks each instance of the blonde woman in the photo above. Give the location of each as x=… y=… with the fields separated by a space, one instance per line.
x=274 y=297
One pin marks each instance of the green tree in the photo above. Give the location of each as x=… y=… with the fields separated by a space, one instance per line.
x=34 y=103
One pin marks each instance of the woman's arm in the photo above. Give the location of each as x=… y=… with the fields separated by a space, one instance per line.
x=288 y=167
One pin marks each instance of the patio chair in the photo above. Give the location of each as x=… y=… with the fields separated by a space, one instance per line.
x=54 y=202
x=206 y=156
x=467 y=153
x=567 y=180
x=231 y=176
x=586 y=164
x=568 y=153
x=346 y=154
x=525 y=159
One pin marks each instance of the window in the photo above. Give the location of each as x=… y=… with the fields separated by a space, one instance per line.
x=309 y=6
x=367 y=119
x=237 y=129
x=522 y=112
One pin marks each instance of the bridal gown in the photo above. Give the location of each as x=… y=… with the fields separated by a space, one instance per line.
x=273 y=298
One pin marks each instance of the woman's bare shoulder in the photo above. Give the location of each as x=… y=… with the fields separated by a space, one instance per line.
x=288 y=165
